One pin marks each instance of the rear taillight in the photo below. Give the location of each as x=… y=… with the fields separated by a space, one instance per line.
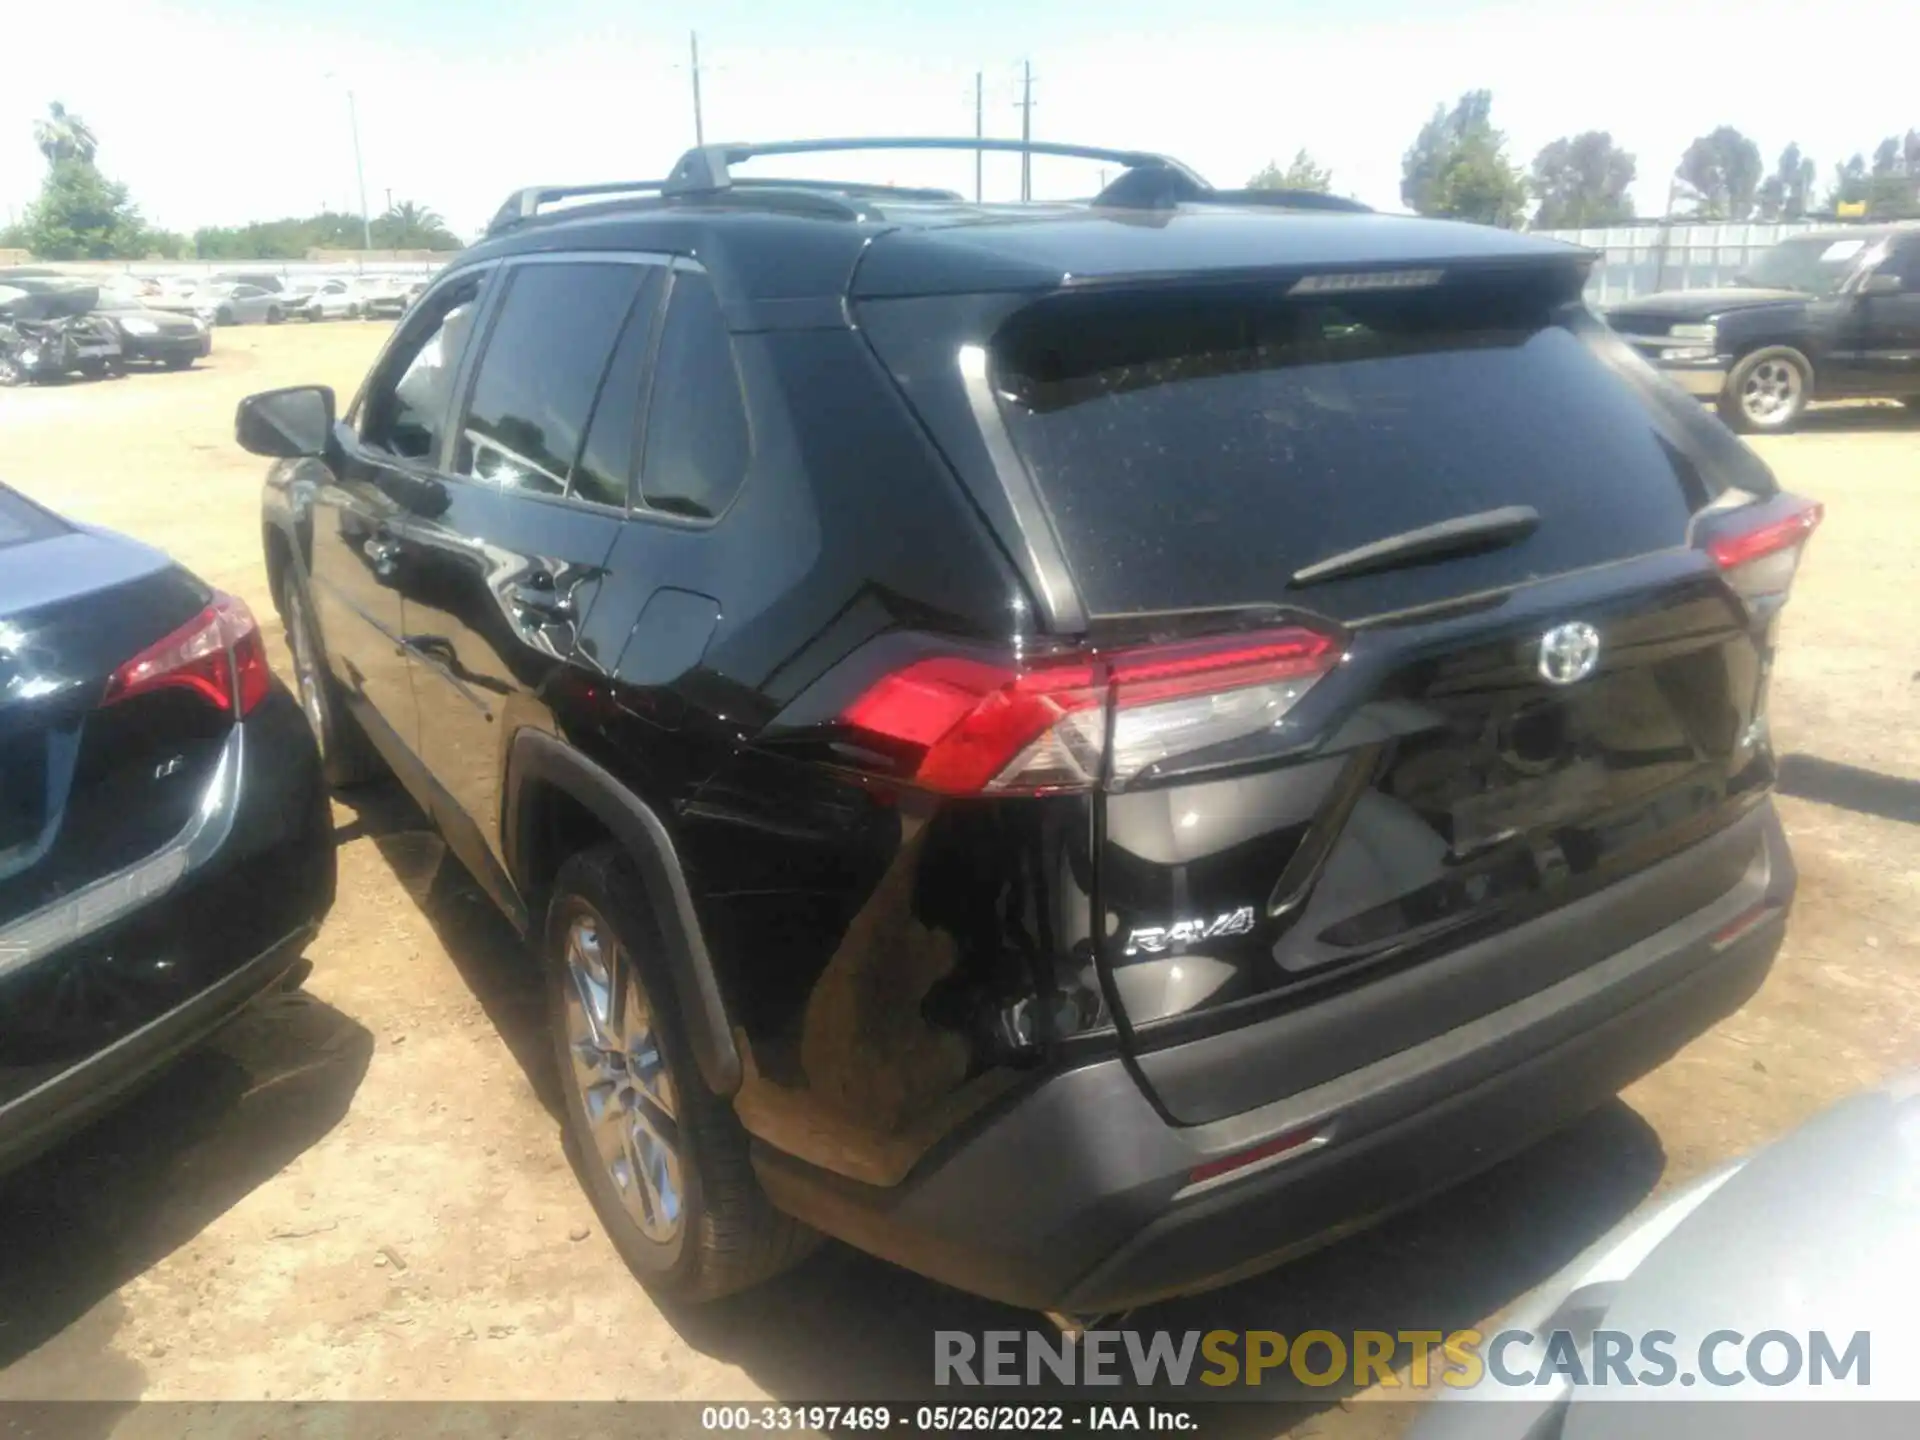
x=218 y=655
x=1760 y=559
x=967 y=727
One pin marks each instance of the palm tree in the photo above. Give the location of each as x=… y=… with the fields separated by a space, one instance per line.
x=64 y=136
x=407 y=226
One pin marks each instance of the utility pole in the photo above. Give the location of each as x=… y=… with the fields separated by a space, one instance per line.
x=699 y=127
x=360 y=173
x=979 y=128
x=1026 y=129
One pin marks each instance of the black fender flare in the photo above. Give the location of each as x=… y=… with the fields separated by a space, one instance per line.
x=536 y=756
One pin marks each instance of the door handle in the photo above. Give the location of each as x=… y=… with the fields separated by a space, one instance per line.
x=541 y=600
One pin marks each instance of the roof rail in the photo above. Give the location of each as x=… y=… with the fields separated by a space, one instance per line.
x=525 y=203
x=709 y=167
x=815 y=196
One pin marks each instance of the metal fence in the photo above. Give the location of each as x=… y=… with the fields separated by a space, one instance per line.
x=1640 y=259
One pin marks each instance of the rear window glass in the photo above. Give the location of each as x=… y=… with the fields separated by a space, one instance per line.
x=1195 y=451
x=21 y=521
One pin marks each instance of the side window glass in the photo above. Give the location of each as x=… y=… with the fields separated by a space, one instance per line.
x=407 y=402
x=540 y=371
x=697 y=441
x=607 y=459
x=1905 y=262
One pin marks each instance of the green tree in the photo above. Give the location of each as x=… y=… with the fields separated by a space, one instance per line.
x=1850 y=185
x=1787 y=194
x=1301 y=174
x=1458 y=167
x=1720 y=174
x=1582 y=180
x=64 y=136
x=82 y=215
x=407 y=226
x=1893 y=183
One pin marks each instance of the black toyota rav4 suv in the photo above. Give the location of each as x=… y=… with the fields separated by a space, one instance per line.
x=1081 y=748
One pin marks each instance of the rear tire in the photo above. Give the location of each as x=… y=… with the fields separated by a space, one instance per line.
x=177 y=362
x=665 y=1165
x=1768 y=391
x=274 y=315
x=347 y=757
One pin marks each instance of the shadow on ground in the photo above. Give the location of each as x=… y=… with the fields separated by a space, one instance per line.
x=492 y=960
x=844 y=1326
x=1848 y=419
x=1866 y=792
x=111 y=1202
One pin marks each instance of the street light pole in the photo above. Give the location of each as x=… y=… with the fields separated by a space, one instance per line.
x=359 y=172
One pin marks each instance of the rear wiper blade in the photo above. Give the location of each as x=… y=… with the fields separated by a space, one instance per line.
x=1463 y=535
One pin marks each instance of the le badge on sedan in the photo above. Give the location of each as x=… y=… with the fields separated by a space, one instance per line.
x=1569 y=653
x=1156 y=939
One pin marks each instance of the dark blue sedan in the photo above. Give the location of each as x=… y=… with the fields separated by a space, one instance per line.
x=166 y=847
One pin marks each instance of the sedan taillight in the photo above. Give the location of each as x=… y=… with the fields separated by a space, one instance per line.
x=218 y=655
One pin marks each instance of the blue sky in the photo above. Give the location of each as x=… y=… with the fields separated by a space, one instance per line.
x=221 y=111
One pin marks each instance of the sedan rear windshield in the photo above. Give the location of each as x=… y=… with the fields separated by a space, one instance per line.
x=1195 y=450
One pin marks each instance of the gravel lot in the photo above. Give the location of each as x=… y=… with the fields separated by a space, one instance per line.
x=358 y=1191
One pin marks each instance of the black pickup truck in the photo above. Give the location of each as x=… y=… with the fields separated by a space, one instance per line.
x=1828 y=315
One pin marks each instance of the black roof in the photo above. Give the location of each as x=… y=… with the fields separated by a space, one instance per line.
x=802 y=240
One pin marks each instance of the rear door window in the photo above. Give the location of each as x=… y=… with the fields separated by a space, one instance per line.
x=607 y=460
x=697 y=442
x=1195 y=450
x=540 y=372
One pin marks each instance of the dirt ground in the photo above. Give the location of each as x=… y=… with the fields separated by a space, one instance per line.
x=358 y=1190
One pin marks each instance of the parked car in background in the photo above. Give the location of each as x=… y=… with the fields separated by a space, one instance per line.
x=1829 y=315
x=333 y=300
x=222 y=304
x=268 y=280
x=1084 y=750
x=47 y=332
x=166 y=844
x=385 y=295
x=1821 y=1227
x=158 y=337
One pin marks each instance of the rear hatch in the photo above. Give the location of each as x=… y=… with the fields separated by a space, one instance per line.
x=1424 y=607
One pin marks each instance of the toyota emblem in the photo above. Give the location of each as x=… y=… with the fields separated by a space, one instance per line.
x=1569 y=653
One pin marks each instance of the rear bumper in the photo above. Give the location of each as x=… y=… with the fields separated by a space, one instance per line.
x=1077 y=1197
x=104 y=986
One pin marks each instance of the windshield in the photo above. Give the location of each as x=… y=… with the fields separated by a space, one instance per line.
x=1815 y=265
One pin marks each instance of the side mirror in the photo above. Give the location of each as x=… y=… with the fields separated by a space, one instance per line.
x=291 y=424
x=1882 y=284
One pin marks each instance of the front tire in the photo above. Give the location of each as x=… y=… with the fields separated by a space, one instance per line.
x=1768 y=391
x=661 y=1157
x=347 y=757
x=177 y=362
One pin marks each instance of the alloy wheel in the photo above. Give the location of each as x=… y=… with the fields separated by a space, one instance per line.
x=1771 y=392
x=622 y=1078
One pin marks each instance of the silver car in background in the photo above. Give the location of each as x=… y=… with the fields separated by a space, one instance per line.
x=1809 y=1247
